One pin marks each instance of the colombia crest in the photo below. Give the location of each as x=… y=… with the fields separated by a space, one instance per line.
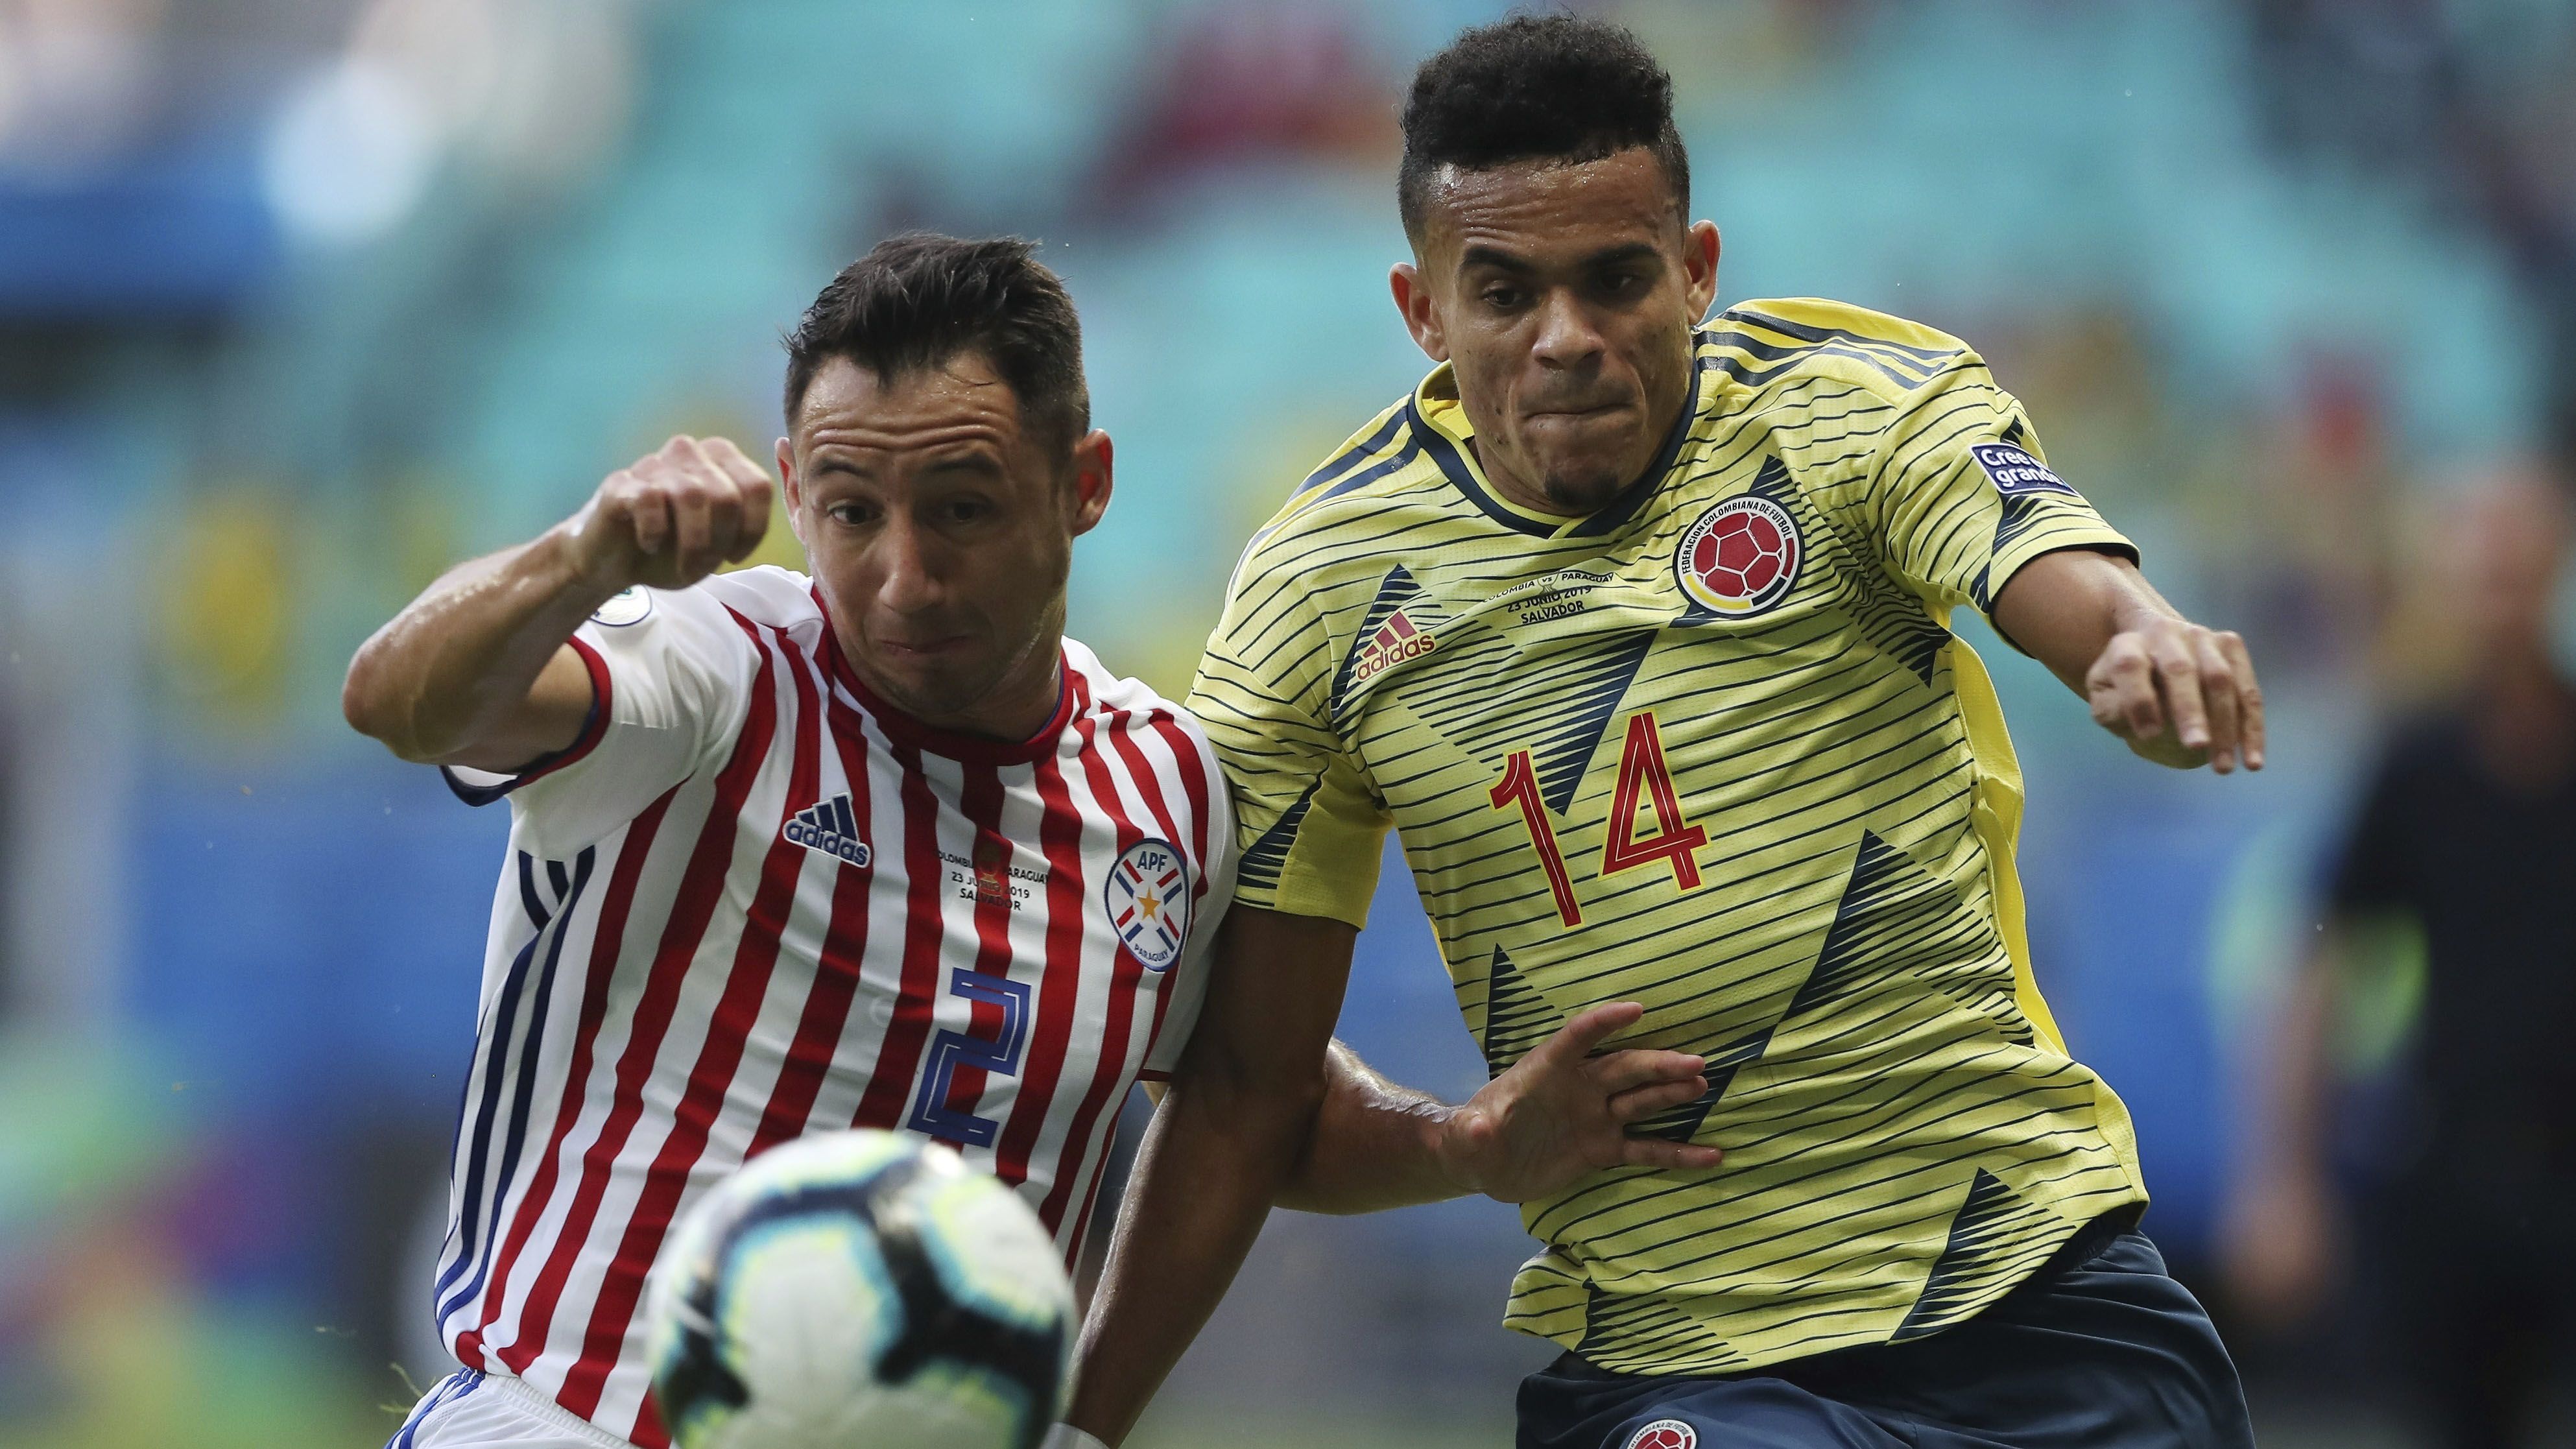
x=1740 y=558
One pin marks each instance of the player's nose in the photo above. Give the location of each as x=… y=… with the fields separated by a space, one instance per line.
x=1566 y=335
x=909 y=580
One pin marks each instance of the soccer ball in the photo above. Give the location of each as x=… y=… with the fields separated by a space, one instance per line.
x=857 y=1289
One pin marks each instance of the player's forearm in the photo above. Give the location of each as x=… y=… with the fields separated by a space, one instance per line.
x=2063 y=608
x=2181 y=695
x=1375 y=1145
x=450 y=668
x=1205 y=1177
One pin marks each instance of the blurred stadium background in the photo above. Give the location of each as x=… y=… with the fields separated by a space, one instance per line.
x=301 y=300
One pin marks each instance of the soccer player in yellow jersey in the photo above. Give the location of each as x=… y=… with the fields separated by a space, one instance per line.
x=1635 y=628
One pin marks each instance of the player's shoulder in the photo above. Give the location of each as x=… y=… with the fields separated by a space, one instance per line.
x=767 y=595
x=719 y=606
x=1151 y=723
x=1785 y=344
x=1342 y=504
x=1105 y=693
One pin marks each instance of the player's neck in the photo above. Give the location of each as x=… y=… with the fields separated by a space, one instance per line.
x=1011 y=712
x=1517 y=492
x=1015 y=711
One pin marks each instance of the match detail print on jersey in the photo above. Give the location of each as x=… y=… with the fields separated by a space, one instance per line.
x=1713 y=749
x=760 y=903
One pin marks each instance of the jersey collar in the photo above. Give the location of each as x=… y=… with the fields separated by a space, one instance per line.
x=903 y=729
x=1440 y=422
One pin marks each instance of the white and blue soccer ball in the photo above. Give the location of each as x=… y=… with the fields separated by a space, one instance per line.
x=857 y=1289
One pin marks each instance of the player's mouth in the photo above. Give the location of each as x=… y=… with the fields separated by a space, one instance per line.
x=925 y=649
x=1579 y=414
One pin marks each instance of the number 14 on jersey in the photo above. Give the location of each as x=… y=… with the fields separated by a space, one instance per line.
x=1644 y=779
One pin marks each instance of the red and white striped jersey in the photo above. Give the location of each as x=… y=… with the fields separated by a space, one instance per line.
x=754 y=901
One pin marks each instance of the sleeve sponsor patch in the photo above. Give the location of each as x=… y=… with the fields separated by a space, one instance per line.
x=629 y=606
x=2015 y=472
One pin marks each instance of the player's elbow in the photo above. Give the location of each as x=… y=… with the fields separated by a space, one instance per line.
x=376 y=708
x=1264 y=1096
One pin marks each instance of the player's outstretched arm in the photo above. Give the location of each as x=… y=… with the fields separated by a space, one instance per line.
x=1558 y=1113
x=1231 y=1126
x=476 y=671
x=2180 y=694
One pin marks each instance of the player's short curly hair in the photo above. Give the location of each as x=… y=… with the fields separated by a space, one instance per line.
x=920 y=299
x=1554 y=87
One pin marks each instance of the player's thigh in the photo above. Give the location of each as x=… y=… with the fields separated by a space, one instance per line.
x=1569 y=1407
x=468 y=1411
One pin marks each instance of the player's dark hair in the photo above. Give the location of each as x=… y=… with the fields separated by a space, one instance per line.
x=920 y=299
x=1536 y=87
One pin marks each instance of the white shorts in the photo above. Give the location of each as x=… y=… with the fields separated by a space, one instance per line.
x=470 y=1409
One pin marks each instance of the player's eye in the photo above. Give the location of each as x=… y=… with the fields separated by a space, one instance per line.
x=851 y=514
x=1504 y=299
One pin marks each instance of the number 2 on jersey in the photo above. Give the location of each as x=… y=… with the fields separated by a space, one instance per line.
x=1000 y=1056
x=1645 y=779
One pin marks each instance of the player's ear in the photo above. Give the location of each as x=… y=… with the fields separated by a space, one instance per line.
x=792 y=488
x=1413 y=300
x=1699 y=266
x=1088 y=497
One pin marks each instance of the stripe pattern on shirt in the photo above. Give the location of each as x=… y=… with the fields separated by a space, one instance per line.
x=694 y=986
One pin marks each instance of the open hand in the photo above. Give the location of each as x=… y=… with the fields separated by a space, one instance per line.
x=2180 y=694
x=1561 y=1112
x=672 y=517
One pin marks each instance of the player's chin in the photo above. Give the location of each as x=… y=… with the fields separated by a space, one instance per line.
x=1582 y=485
x=935 y=686
x=1583 y=468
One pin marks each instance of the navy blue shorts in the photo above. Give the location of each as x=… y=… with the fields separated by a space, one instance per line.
x=2100 y=1349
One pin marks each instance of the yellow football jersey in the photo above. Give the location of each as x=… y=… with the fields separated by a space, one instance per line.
x=1714 y=749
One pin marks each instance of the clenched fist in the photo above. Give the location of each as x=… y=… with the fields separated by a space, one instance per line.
x=672 y=517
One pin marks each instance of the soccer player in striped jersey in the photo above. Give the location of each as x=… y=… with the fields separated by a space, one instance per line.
x=1635 y=628
x=877 y=848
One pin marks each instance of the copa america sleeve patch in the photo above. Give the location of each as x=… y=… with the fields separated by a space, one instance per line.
x=2016 y=473
x=627 y=606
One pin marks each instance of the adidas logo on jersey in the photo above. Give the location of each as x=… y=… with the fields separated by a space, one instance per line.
x=1395 y=641
x=830 y=828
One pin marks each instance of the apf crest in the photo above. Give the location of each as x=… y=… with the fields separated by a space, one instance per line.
x=1147 y=900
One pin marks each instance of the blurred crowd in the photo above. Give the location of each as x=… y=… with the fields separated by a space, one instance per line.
x=301 y=300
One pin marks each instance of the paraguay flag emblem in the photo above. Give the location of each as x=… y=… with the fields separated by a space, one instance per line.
x=1147 y=900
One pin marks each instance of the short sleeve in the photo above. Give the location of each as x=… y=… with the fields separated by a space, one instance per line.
x=1962 y=496
x=1190 y=975
x=1308 y=818
x=670 y=673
